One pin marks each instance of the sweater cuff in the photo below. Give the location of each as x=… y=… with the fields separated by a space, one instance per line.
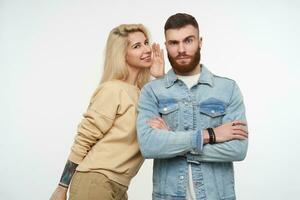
x=75 y=158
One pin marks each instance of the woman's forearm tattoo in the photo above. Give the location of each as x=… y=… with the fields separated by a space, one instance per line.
x=68 y=173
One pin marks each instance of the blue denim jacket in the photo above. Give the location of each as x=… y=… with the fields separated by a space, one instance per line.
x=211 y=102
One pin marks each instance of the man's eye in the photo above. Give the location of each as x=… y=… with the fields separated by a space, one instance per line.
x=146 y=43
x=189 y=41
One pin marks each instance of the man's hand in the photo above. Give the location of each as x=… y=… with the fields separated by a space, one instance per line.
x=158 y=123
x=236 y=130
x=60 y=193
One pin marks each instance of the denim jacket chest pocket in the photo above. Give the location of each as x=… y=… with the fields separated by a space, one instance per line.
x=169 y=112
x=212 y=111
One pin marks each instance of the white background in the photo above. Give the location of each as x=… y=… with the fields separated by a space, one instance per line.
x=51 y=55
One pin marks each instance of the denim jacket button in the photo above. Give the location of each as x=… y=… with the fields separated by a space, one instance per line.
x=165 y=109
x=181 y=177
x=213 y=111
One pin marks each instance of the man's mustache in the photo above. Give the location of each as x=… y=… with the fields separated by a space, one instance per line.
x=183 y=55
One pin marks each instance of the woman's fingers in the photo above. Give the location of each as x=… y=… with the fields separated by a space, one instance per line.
x=155 y=49
x=162 y=55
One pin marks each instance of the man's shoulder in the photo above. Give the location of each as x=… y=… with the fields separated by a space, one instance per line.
x=158 y=82
x=222 y=80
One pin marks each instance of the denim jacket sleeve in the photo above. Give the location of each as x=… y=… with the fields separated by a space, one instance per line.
x=158 y=143
x=234 y=150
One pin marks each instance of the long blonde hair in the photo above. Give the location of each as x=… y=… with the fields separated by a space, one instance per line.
x=115 y=66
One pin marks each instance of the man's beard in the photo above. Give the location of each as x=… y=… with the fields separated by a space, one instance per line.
x=185 y=68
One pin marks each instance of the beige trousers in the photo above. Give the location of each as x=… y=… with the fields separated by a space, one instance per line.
x=95 y=186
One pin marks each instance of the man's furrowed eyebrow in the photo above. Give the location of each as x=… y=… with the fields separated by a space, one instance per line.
x=190 y=36
x=173 y=41
x=186 y=38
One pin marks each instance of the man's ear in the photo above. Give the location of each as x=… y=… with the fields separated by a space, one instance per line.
x=200 y=42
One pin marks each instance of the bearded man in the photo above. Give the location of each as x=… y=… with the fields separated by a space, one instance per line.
x=200 y=124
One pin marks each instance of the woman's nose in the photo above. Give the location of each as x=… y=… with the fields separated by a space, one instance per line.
x=147 y=48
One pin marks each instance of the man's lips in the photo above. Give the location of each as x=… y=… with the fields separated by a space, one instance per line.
x=182 y=57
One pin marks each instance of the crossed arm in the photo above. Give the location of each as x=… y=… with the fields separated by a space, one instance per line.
x=158 y=141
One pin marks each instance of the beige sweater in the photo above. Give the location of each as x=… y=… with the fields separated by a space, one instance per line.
x=106 y=141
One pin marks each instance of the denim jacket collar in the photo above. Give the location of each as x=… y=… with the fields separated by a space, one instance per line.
x=206 y=77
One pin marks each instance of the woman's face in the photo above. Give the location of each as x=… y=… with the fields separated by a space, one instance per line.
x=138 y=53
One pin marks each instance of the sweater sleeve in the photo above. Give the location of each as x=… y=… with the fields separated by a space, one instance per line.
x=97 y=120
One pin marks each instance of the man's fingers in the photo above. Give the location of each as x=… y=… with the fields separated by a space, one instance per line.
x=156 y=120
x=241 y=128
x=154 y=126
x=239 y=122
x=160 y=119
x=165 y=124
x=156 y=123
x=239 y=137
x=240 y=133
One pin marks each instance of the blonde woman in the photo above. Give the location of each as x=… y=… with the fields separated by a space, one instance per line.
x=105 y=155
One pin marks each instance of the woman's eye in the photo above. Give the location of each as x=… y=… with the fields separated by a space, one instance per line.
x=137 y=46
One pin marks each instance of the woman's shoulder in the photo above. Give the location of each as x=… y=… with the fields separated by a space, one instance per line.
x=113 y=85
x=119 y=85
x=106 y=92
x=115 y=89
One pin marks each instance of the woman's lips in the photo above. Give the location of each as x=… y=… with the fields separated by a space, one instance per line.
x=146 y=58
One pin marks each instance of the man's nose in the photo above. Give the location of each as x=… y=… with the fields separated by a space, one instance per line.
x=181 y=48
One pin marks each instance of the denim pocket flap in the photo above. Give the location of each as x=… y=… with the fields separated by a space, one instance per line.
x=166 y=109
x=212 y=107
